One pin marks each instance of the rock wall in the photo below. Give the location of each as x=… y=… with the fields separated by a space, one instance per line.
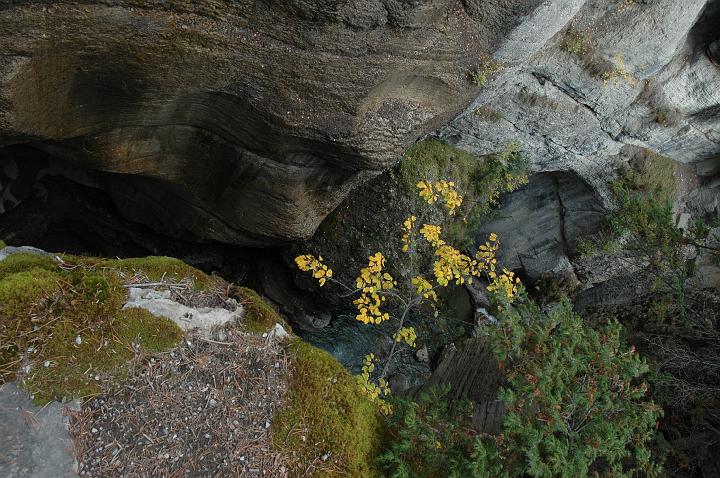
x=248 y=122
x=588 y=86
x=240 y=122
x=586 y=79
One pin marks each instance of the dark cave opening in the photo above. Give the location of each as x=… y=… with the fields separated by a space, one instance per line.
x=46 y=203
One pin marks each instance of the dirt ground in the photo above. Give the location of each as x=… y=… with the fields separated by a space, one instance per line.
x=201 y=409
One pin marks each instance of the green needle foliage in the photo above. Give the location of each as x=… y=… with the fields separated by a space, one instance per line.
x=575 y=399
x=575 y=405
x=429 y=438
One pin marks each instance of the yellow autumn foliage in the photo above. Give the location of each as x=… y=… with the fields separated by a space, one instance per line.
x=377 y=290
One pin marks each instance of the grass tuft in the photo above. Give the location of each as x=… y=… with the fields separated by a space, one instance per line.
x=155 y=268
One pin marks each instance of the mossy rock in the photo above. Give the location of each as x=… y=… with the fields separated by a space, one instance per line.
x=2 y=244
x=156 y=268
x=149 y=331
x=258 y=316
x=23 y=262
x=433 y=160
x=70 y=325
x=326 y=413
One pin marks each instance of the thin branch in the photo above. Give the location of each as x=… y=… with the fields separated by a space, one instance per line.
x=408 y=306
x=180 y=285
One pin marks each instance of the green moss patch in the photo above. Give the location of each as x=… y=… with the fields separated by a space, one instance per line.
x=153 y=333
x=154 y=268
x=433 y=160
x=259 y=316
x=68 y=325
x=2 y=244
x=23 y=262
x=480 y=178
x=326 y=414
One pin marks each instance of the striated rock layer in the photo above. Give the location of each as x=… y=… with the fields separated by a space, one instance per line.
x=587 y=87
x=248 y=122
x=240 y=122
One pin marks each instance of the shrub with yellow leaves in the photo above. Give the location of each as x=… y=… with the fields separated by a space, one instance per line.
x=374 y=391
x=320 y=271
x=504 y=284
x=407 y=335
x=424 y=288
x=380 y=299
x=372 y=281
x=408 y=225
x=431 y=233
x=442 y=189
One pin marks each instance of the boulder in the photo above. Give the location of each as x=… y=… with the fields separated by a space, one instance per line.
x=540 y=225
x=35 y=440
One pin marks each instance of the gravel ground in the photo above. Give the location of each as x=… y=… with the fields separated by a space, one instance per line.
x=202 y=409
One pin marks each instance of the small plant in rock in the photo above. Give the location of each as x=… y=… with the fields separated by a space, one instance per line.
x=646 y=220
x=432 y=263
x=488 y=113
x=483 y=71
x=575 y=42
x=618 y=71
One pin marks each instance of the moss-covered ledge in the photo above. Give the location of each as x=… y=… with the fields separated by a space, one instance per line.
x=63 y=330
x=328 y=428
x=64 y=334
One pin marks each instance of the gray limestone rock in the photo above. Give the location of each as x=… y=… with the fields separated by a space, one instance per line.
x=541 y=224
x=202 y=319
x=9 y=250
x=34 y=440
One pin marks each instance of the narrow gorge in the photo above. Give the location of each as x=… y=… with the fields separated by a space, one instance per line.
x=190 y=193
